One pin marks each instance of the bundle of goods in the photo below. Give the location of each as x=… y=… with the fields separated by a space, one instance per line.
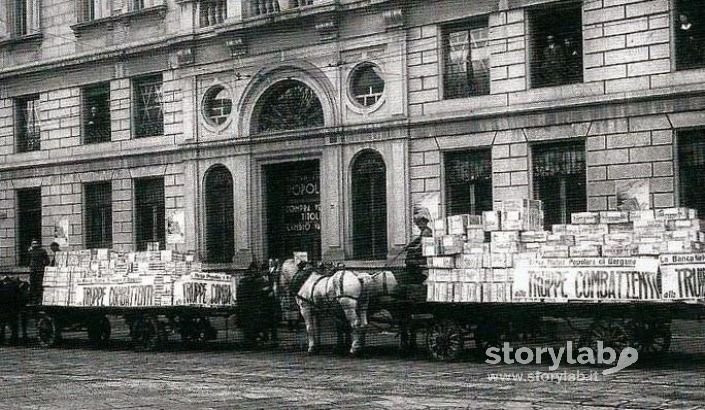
x=505 y=255
x=101 y=277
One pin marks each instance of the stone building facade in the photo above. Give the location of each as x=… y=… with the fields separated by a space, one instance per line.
x=241 y=129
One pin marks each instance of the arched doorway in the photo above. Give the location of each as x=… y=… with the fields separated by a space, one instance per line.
x=369 y=206
x=288 y=105
x=220 y=218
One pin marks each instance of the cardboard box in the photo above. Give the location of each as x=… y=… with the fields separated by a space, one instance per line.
x=451 y=244
x=473 y=248
x=675 y=213
x=620 y=250
x=686 y=224
x=683 y=247
x=556 y=251
x=474 y=222
x=504 y=247
x=430 y=247
x=642 y=215
x=501 y=260
x=583 y=251
x=649 y=249
x=475 y=235
x=595 y=229
x=585 y=218
x=504 y=236
x=530 y=247
x=620 y=228
x=560 y=229
x=491 y=221
x=534 y=236
x=457 y=224
x=614 y=217
x=560 y=239
x=469 y=261
x=520 y=205
x=439 y=227
x=619 y=239
x=589 y=240
x=443 y=262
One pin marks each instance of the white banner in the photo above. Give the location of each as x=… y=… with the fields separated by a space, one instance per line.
x=205 y=289
x=138 y=293
x=588 y=283
x=683 y=276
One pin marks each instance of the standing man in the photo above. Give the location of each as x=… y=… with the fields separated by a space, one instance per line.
x=54 y=250
x=38 y=260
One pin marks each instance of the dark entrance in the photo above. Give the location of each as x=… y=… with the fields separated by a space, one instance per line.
x=29 y=221
x=293 y=209
x=220 y=219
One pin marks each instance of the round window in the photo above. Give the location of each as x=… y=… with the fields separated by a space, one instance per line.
x=367 y=84
x=217 y=105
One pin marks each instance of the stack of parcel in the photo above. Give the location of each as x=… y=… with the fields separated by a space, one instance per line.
x=101 y=277
x=505 y=256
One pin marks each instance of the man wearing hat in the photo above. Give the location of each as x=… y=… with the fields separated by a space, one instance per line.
x=415 y=261
x=38 y=260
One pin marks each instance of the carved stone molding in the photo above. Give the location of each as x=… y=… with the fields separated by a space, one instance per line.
x=327 y=28
x=185 y=56
x=393 y=18
x=237 y=46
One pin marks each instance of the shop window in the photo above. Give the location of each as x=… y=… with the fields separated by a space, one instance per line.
x=148 y=114
x=556 y=45
x=367 y=84
x=369 y=206
x=289 y=105
x=690 y=34
x=29 y=221
x=468 y=182
x=96 y=113
x=220 y=217
x=691 y=169
x=217 y=105
x=27 y=129
x=467 y=68
x=21 y=17
x=98 y=205
x=149 y=213
x=559 y=178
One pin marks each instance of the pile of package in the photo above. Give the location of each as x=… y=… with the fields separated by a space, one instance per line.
x=102 y=277
x=472 y=258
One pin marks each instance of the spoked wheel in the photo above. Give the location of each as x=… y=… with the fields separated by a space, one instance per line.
x=196 y=331
x=145 y=333
x=650 y=337
x=445 y=340
x=48 y=330
x=490 y=334
x=608 y=331
x=99 y=331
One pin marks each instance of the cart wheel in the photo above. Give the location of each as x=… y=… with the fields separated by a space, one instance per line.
x=445 y=340
x=99 y=331
x=608 y=331
x=650 y=337
x=490 y=334
x=197 y=331
x=48 y=330
x=145 y=333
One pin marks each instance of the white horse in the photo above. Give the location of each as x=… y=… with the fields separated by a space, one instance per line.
x=345 y=289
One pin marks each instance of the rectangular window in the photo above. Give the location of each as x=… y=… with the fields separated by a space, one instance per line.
x=89 y=10
x=27 y=130
x=96 y=113
x=556 y=35
x=149 y=212
x=149 y=115
x=98 y=205
x=467 y=68
x=691 y=169
x=468 y=180
x=22 y=17
x=29 y=221
x=559 y=177
x=690 y=34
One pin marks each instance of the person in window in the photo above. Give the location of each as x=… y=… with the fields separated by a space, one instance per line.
x=96 y=126
x=38 y=260
x=572 y=60
x=689 y=51
x=553 y=63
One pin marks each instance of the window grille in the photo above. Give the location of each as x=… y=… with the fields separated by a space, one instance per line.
x=149 y=110
x=98 y=214
x=468 y=177
x=691 y=169
x=28 y=126
x=29 y=221
x=559 y=178
x=467 y=71
x=369 y=204
x=149 y=212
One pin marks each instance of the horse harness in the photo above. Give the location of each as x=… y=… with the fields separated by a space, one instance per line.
x=339 y=285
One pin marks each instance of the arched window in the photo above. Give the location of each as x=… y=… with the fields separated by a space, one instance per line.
x=220 y=219
x=289 y=105
x=369 y=206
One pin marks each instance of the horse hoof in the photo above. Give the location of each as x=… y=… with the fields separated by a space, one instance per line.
x=312 y=351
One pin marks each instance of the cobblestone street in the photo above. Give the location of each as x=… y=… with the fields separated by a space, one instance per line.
x=78 y=377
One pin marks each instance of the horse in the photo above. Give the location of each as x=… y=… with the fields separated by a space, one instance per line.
x=347 y=290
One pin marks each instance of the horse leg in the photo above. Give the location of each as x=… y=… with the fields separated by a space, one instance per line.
x=309 y=320
x=350 y=309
